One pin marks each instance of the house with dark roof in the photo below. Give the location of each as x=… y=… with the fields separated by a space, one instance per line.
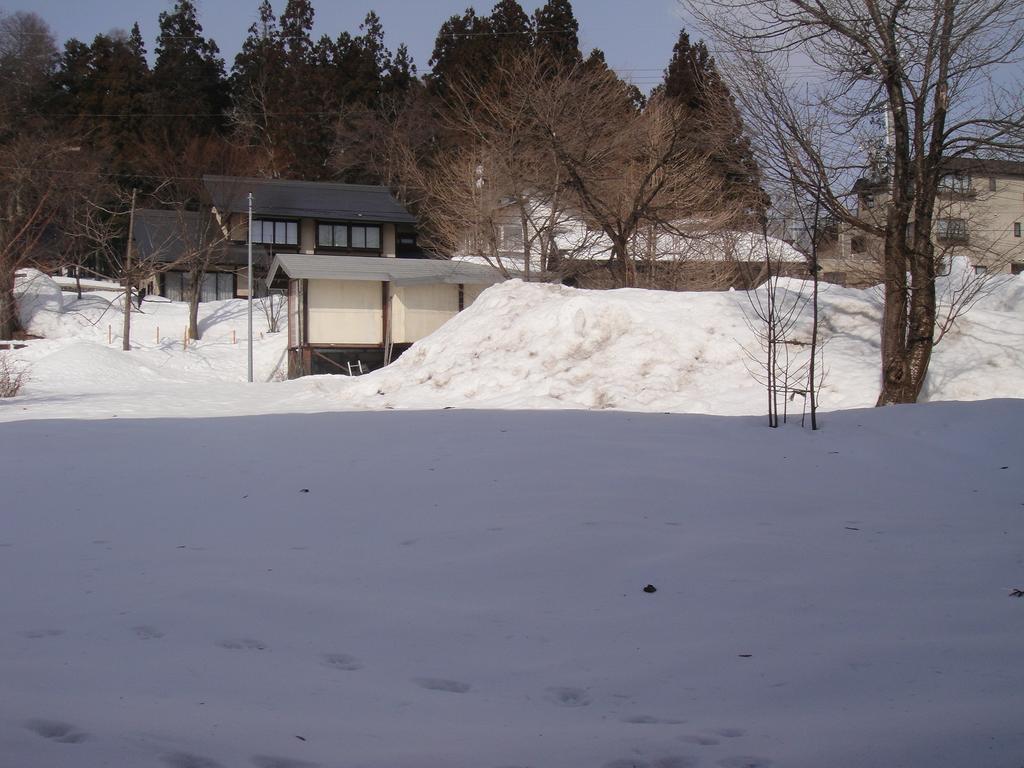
x=360 y=289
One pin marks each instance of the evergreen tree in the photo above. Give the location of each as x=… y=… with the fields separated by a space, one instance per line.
x=556 y=31
x=258 y=89
x=103 y=88
x=511 y=28
x=400 y=77
x=463 y=48
x=297 y=31
x=189 y=87
x=692 y=80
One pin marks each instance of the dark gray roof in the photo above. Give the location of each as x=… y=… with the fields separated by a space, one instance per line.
x=315 y=199
x=397 y=271
x=166 y=236
x=985 y=167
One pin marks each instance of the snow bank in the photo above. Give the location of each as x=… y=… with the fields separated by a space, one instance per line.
x=40 y=302
x=517 y=346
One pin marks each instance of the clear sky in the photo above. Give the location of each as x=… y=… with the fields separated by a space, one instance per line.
x=636 y=35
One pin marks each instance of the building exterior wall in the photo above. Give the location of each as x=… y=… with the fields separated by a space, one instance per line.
x=419 y=310
x=344 y=312
x=988 y=205
x=307 y=235
x=471 y=292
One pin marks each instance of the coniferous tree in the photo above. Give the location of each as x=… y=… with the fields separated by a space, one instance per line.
x=400 y=76
x=103 y=89
x=692 y=80
x=511 y=28
x=463 y=48
x=189 y=86
x=257 y=89
x=556 y=31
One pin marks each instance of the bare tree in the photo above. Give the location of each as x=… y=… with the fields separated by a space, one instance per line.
x=28 y=56
x=36 y=184
x=940 y=74
x=625 y=168
x=200 y=236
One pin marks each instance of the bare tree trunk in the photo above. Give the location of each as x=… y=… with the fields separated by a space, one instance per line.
x=194 y=292
x=895 y=370
x=620 y=253
x=8 y=306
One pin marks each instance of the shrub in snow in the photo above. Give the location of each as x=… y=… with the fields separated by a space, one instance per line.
x=12 y=378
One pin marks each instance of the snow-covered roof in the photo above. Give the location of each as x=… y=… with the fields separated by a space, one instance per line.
x=398 y=271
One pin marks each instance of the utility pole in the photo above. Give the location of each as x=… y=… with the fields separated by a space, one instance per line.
x=126 y=333
x=252 y=286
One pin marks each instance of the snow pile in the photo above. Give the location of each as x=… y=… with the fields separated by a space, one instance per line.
x=543 y=346
x=40 y=303
x=461 y=589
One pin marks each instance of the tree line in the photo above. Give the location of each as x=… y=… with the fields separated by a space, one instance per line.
x=82 y=125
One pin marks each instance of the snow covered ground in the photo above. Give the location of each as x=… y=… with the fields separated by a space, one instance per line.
x=458 y=589
x=215 y=579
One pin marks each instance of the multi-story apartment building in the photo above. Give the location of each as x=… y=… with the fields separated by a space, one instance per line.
x=979 y=215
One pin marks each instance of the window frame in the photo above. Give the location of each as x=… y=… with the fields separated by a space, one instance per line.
x=1016 y=229
x=260 y=224
x=349 y=237
x=955 y=183
x=951 y=229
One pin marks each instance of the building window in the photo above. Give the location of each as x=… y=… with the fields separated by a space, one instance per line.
x=275 y=232
x=332 y=235
x=362 y=237
x=991 y=183
x=1017 y=268
x=956 y=183
x=951 y=230
x=365 y=237
x=1016 y=229
x=980 y=269
x=857 y=245
x=512 y=238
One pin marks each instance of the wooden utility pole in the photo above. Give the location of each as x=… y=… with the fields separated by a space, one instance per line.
x=126 y=340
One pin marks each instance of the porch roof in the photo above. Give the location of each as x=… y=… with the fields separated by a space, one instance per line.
x=305 y=266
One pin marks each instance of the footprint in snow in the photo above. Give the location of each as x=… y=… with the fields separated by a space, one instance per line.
x=38 y=634
x=188 y=760
x=729 y=733
x=267 y=761
x=567 y=696
x=54 y=730
x=704 y=741
x=342 y=661
x=744 y=761
x=670 y=761
x=242 y=644
x=650 y=720
x=441 y=684
x=146 y=632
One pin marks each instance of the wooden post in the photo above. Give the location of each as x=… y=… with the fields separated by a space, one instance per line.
x=110 y=334
x=184 y=338
x=158 y=335
x=232 y=335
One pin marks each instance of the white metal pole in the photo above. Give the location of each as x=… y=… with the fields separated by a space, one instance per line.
x=252 y=286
